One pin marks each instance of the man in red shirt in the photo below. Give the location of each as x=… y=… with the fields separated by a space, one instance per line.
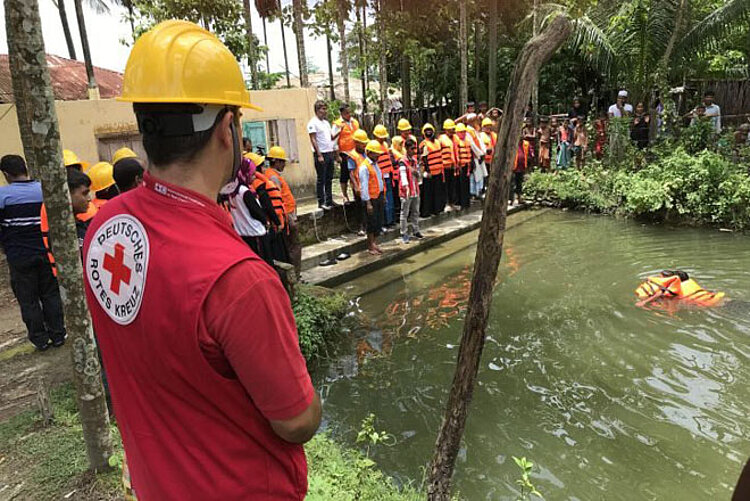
x=210 y=390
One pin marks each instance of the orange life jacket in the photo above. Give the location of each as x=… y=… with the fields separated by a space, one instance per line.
x=490 y=140
x=449 y=154
x=91 y=211
x=286 y=193
x=673 y=287
x=274 y=193
x=463 y=150
x=358 y=159
x=99 y=203
x=346 y=136
x=434 y=161
x=385 y=162
x=373 y=187
x=45 y=239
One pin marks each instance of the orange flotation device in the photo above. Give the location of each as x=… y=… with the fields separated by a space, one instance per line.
x=676 y=285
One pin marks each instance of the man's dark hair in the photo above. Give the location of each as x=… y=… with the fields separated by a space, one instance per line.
x=470 y=104
x=343 y=108
x=482 y=103
x=76 y=179
x=709 y=93
x=125 y=172
x=166 y=149
x=319 y=104
x=13 y=165
x=409 y=143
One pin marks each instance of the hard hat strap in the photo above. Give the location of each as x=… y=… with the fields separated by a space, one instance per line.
x=237 y=149
x=170 y=119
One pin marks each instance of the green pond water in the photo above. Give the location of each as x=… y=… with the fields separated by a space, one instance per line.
x=609 y=400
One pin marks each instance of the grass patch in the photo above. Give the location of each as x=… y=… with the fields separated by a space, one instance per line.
x=347 y=475
x=318 y=313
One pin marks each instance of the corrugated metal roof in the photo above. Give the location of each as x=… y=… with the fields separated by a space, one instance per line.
x=69 y=80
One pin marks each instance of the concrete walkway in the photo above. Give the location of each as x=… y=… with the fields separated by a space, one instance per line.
x=436 y=230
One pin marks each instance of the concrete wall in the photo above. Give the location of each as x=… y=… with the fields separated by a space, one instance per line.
x=91 y=127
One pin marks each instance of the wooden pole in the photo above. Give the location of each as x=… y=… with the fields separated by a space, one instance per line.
x=489 y=249
x=23 y=27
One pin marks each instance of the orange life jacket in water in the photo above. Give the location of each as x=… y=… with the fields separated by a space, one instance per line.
x=672 y=287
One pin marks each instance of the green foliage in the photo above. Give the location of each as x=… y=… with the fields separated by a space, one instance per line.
x=318 y=317
x=53 y=459
x=705 y=188
x=524 y=482
x=347 y=475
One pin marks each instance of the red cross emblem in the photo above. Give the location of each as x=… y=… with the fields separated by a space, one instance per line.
x=116 y=266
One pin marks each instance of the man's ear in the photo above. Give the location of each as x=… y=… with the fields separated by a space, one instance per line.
x=224 y=131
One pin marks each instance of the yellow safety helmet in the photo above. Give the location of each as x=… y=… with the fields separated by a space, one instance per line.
x=123 y=153
x=487 y=122
x=380 y=131
x=70 y=159
x=101 y=175
x=426 y=126
x=403 y=125
x=449 y=124
x=460 y=128
x=360 y=136
x=180 y=62
x=374 y=146
x=397 y=142
x=276 y=152
x=258 y=160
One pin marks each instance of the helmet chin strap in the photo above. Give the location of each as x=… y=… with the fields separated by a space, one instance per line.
x=237 y=160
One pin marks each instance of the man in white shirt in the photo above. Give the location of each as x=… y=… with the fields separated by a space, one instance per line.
x=621 y=108
x=323 y=147
x=712 y=110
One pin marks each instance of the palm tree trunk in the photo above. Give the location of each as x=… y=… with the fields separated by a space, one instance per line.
x=463 y=89
x=251 y=57
x=265 y=42
x=343 y=8
x=492 y=59
x=383 y=61
x=361 y=20
x=85 y=45
x=286 y=56
x=26 y=47
x=405 y=74
x=330 y=68
x=299 y=33
x=66 y=28
x=676 y=32
x=477 y=38
x=489 y=250
x=535 y=90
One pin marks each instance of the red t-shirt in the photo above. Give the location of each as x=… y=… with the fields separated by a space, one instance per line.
x=271 y=368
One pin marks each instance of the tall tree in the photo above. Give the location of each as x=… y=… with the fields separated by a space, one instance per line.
x=86 y=50
x=26 y=48
x=343 y=11
x=535 y=32
x=299 y=33
x=383 y=63
x=361 y=27
x=330 y=68
x=286 y=55
x=405 y=64
x=66 y=28
x=489 y=250
x=252 y=59
x=463 y=92
x=492 y=54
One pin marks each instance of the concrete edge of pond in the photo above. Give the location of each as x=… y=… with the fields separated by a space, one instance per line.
x=362 y=263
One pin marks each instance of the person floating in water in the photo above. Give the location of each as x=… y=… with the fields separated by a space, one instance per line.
x=676 y=285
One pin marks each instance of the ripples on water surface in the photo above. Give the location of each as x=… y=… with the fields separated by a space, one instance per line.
x=610 y=401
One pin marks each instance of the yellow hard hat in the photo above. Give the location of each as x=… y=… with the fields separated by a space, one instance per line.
x=380 y=131
x=70 y=159
x=487 y=122
x=101 y=176
x=449 y=124
x=375 y=147
x=258 y=160
x=426 y=126
x=180 y=62
x=397 y=142
x=123 y=153
x=276 y=152
x=460 y=128
x=360 y=136
x=403 y=125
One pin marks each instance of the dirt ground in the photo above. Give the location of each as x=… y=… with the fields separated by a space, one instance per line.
x=21 y=367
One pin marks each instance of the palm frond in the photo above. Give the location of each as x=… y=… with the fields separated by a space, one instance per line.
x=99 y=6
x=593 y=44
x=716 y=25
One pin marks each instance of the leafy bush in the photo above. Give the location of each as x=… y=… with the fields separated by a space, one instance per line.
x=706 y=188
x=318 y=313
